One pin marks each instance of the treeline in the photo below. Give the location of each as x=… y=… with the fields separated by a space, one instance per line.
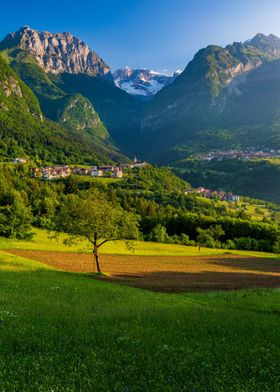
x=155 y=196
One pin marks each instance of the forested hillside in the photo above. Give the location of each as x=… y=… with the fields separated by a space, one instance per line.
x=156 y=198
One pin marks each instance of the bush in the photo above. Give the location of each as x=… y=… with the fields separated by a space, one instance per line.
x=182 y=239
x=276 y=246
x=230 y=244
x=158 y=234
x=246 y=243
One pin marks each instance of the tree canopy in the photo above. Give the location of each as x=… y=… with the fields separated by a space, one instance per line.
x=94 y=217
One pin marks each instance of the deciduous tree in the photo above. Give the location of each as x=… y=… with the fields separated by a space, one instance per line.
x=91 y=216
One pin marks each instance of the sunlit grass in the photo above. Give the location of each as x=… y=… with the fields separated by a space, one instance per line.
x=67 y=332
x=42 y=241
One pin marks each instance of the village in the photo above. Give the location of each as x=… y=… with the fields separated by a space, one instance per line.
x=216 y=195
x=111 y=171
x=246 y=154
x=55 y=172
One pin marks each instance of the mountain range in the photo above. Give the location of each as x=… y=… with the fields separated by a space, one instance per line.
x=60 y=101
x=225 y=98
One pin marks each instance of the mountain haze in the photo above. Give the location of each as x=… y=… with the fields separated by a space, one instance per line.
x=225 y=97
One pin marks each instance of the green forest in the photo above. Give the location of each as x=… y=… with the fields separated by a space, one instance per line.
x=155 y=197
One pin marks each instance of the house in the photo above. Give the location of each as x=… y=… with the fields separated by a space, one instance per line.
x=36 y=172
x=80 y=171
x=118 y=173
x=126 y=166
x=217 y=195
x=235 y=198
x=138 y=164
x=108 y=168
x=97 y=173
x=19 y=160
x=52 y=172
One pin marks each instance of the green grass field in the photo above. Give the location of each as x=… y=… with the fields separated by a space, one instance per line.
x=68 y=332
x=42 y=241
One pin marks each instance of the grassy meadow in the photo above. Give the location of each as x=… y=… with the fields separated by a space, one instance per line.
x=44 y=241
x=62 y=331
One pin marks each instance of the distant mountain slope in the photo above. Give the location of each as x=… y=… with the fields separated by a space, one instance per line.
x=74 y=70
x=75 y=134
x=257 y=178
x=25 y=132
x=142 y=82
x=225 y=97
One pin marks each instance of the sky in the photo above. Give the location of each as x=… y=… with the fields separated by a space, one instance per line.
x=154 y=34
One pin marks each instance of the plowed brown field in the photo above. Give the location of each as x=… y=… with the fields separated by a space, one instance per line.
x=170 y=274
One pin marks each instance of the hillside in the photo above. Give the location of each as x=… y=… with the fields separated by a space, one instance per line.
x=226 y=97
x=257 y=178
x=25 y=132
x=80 y=71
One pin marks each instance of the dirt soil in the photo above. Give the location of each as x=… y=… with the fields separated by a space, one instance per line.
x=168 y=273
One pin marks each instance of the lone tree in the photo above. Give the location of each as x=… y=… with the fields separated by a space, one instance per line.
x=94 y=217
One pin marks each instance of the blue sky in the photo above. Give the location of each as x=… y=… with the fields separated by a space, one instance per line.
x=157 y=34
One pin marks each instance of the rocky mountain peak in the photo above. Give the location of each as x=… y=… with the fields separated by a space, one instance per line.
x=269 y=44
x=58 y=52
x=142 y=82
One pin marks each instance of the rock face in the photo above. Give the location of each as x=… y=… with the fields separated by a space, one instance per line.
x=15 y=97
x=10 y=86
x=58 y=53
x=266 y=43
x=142 y=82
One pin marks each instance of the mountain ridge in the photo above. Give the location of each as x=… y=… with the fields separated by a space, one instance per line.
x=208 y=97
x=58 y=52
x=226 y=96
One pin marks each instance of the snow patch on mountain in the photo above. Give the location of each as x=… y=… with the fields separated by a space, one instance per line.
x=142 y=82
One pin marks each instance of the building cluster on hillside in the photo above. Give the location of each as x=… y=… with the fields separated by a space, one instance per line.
x=20 y=160
x=218 y=195
x=53 y=172
x=238 y=154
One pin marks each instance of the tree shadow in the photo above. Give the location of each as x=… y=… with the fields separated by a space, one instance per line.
x=179 y=282
x=248 y=264
x=170 y=274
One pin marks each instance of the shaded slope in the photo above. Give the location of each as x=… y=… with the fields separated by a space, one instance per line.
x=25 y=132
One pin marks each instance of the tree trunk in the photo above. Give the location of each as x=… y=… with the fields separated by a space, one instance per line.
x=96 y=256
